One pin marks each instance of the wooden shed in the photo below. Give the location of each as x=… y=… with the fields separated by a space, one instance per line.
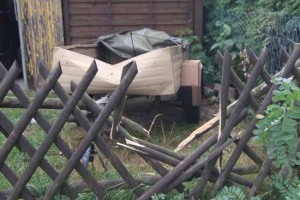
x=85 y=20
x=44 y=24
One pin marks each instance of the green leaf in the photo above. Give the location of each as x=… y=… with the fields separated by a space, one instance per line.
x=219 y=23
x=277 y=92
x=214 y=46
x=297 y=162
x=234 y=55
x=271 y=150
x=287 y=137
x=296 y=109
x=297 y=96
x=272 y=107
x=293 y=114
x=227 y=29
x=272 y=156
x=229 y=42
x=287 y=122
x=278 y=98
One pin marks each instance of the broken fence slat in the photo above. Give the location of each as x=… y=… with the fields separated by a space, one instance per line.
x=201 y=130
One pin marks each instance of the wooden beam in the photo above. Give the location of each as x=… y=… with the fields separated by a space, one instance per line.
x=66 y=22
x=198 y=18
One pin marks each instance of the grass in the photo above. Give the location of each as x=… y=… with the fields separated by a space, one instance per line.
x=168 y=135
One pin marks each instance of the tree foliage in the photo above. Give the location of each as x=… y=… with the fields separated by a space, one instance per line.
x=247 y=24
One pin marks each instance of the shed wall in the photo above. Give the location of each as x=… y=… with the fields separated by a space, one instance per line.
x=85 y=20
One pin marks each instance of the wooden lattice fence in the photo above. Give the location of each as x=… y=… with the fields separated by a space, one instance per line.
x=184 y=168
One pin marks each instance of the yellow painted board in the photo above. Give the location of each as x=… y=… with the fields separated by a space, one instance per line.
x=42 y=31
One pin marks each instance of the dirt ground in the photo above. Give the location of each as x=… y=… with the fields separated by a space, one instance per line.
x=144 y=109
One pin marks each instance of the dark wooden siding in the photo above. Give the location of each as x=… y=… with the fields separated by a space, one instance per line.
x=85 y=20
